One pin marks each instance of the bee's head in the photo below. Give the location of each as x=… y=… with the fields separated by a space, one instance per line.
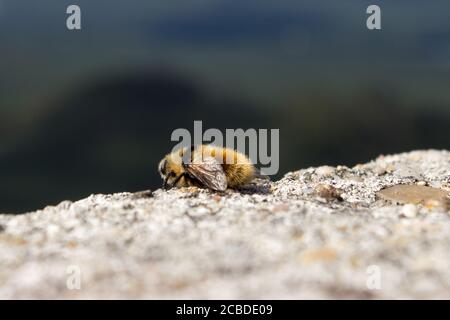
x=171 y=170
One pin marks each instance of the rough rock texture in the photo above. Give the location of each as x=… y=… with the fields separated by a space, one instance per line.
x=317 y=233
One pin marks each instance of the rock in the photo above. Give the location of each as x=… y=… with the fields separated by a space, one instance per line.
x=318 y=255
x=325 y=171
x=416 y=194
x=265 y=241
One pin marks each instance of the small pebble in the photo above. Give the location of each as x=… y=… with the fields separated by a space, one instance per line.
x=409 y=210
x=52 y=230
x=328 y=192
x=380 y=170
x=325 y=171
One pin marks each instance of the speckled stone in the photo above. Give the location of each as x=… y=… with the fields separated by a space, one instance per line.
x=268 y=240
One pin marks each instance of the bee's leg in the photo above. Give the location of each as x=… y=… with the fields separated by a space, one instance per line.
x=165 y=184
x=178 y=178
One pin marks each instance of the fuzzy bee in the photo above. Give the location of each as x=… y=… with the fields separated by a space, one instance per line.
x=207 y=166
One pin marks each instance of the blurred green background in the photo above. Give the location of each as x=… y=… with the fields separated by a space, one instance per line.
x=92 y=111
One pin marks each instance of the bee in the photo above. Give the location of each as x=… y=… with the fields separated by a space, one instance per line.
x=207 y=166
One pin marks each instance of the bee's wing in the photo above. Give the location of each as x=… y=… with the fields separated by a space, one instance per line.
x=209 y=172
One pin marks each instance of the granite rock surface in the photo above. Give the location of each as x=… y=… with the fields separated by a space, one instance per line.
x=324 y=232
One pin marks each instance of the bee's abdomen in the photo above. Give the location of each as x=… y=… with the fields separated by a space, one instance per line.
x=239 y=174
x=240 y=171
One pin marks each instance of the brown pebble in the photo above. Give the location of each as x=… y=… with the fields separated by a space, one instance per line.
x=318 y=255
x=71 y=245
x=415 y=194
x=281 y=207
x=328 y=192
